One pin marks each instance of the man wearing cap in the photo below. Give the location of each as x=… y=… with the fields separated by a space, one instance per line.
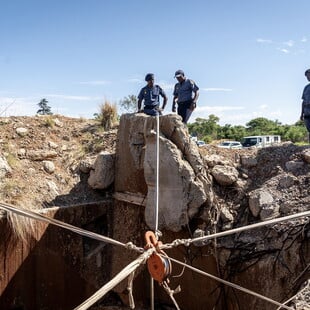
x=305 y=107
x=150 y=95
x=185 y=94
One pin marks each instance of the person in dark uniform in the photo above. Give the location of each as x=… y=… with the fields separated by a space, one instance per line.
x=305 y=107
x=149 y=94
x=185 y=94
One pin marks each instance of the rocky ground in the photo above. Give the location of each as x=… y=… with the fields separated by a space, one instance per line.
x=45 y=161
x=42 y=159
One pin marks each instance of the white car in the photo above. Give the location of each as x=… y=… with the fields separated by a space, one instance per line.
x=230 y=145
x=201 y=143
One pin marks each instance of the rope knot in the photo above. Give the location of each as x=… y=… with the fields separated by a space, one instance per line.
x=131 y=246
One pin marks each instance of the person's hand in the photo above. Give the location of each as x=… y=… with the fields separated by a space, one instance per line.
x=193 y=106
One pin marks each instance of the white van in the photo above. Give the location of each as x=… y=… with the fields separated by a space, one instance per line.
x=260 y=141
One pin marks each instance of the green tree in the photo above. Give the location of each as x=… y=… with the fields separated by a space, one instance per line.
x=44 y=108
x=232 y=132
x=129 y=103
x=205 y=129
x=261 y=126
x=296 y=132
x=209 y=129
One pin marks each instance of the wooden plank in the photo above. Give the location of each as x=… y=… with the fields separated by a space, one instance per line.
x=134 y=198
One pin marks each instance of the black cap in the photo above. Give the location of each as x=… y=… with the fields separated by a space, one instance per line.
x=179 y=73
x=307 y=72
x=149 y=76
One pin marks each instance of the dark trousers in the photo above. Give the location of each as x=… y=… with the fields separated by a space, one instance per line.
x=152 y=110
x=307 y=122
x=184 y=110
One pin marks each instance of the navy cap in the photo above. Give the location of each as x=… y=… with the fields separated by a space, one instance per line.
x=307 y=72
x=179 y=73
x=149 y=76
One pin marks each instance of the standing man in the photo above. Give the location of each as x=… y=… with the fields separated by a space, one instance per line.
x=305 y=107
x=150 y=95
x=185 y=94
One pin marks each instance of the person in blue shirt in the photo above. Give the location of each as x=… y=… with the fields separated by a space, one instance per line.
x=149 y=94
x=185 y=94
x=305 y=107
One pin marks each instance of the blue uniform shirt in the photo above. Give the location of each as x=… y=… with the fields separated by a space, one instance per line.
x=150 y=95
x=184 y=91
x=306 y=94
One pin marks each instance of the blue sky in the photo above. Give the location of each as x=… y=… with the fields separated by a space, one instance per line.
x=248 y=57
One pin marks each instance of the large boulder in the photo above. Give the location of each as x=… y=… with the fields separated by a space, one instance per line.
x=225 y=175
x=184 y=184
x=258 y=200
x=102 y=173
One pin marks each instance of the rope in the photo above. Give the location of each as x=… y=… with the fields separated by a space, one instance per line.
x=157 y=232
x=240 y=288
x=187 y=242
x=170 y=292
x=80 y=231
x=129 y=289
x=157 y=175
x=152 y=293
x=129 y=269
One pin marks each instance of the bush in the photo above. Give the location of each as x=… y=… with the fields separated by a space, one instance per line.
x=107 y=115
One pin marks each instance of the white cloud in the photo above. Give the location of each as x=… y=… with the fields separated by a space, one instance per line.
x=225 y=113
x=304 y=39
x=134 y=80
x=95 y=82
x=17 y=106
x=166 y=86
x=234 y=115
x=8 y=100
x=301 y=51
x=216 y=89
x=216 y=109
x=68 y=97
x=289 y=43
x=284 y=50
x=259 y=40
